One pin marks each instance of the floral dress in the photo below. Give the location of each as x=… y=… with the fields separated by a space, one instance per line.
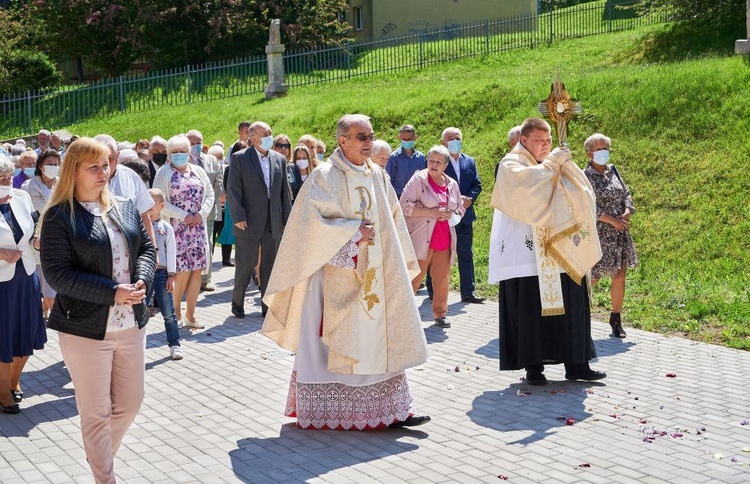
x=612 y=198
x=186 y=192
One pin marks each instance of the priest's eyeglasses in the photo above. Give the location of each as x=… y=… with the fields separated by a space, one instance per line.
x=363 y=137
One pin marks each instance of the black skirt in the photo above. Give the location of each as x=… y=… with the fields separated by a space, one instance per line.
x=528 y=338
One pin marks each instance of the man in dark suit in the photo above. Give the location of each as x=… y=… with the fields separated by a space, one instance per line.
x=157 y=148
x=259 y=200
x=463 y=169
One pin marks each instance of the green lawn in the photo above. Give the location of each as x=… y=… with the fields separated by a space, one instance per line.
x=676 y=128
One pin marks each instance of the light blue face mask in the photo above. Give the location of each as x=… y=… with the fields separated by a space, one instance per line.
x=320 y=156
x=601 y=157
x=17 y=171
x=454 y=146
x=196 y=149
x=407 y=145
x=178 y=159
x=29 y=172
x=266 y=143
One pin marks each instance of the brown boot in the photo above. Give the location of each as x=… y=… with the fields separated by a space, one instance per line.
x=616 y=324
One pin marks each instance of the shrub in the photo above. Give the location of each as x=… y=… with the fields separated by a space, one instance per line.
x=22 y=69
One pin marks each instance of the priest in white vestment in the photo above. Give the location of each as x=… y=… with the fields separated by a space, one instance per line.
x=340 y=297
x=542 y=246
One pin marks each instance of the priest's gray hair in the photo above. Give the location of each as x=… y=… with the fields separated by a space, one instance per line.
x=6 y=166
x=450 y=130
x=514 y=133
x=379 y=145
x=348 y=120
x=108 y=141
x=588 y=145
x=440 y=150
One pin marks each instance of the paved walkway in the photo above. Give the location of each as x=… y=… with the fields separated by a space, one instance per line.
x=216 y=416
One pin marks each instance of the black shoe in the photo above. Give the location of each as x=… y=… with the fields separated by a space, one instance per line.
x=616 y=324
x=588 y=375
x=421 y=285
x=17 y=395
x=536 y=378
x=473 y=299
x=442 y=323
x=226 y=263
x=15 y=409
x=238 y=311
x=411 y=421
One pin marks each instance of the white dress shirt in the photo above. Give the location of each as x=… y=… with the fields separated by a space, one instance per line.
x=265 y=164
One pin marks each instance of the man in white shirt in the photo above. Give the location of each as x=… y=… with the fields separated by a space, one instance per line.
x=124 y=182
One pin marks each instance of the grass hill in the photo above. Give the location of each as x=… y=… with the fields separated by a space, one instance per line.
x=677 y=128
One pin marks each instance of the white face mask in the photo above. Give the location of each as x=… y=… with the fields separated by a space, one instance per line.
x=302 y=164
x=5 y=190
x=601 y=157
x=51 y=171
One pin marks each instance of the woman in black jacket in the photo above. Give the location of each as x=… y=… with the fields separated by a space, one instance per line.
x=96 y=254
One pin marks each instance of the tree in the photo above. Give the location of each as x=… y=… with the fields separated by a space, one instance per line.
x=108 y=34
x=724 y=14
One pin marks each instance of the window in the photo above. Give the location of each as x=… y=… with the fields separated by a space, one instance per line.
x=358 y=18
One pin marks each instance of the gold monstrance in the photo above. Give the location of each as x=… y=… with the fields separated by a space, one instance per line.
x=560 y=108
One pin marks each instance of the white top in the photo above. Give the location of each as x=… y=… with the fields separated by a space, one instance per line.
x=165 y=246
x=265 y=164
x=121 y=317
x=456 y=168
x=126 y=183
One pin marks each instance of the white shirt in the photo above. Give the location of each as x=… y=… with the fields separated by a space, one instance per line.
x=265 y=164
x=456 y=168
x=165 y=246
x=126 y=183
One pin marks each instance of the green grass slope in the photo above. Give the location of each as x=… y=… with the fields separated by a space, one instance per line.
x=679 y=138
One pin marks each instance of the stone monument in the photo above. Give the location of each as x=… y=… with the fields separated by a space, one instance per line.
x=275 y=59
x=742 y=46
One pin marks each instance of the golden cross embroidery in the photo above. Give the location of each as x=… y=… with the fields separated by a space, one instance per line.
x=365 y=206
x=560 y=108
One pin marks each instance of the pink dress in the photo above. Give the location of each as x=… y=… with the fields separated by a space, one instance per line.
x=186 y=192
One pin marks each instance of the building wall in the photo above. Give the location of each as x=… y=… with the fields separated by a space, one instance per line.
x=395 y=18
x=367 y=16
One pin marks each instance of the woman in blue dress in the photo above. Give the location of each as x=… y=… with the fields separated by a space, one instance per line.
x=21 y=325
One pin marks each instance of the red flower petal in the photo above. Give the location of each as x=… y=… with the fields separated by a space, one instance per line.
x=671 y=375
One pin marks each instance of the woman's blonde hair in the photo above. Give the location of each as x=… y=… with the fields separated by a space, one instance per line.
x=82 y=150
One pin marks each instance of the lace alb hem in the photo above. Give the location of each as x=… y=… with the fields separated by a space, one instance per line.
x=335 y=406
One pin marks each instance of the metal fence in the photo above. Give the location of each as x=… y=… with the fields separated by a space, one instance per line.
x=26 y=113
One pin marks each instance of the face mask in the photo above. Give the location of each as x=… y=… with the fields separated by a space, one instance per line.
x=5 y=190
x=17 y=171
x=407 y=145
x=601 y=157
x=266 y=143
x=195 y=150
x=302 y=164
x=29 y=172
x=51 y=171
x=320 y=156
x=179 y=159
x=159 y=158
x=454 y=146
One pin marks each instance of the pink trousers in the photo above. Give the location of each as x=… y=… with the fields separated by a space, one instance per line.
x=108 y=377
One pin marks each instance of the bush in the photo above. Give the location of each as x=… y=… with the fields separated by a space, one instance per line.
x=22 y=69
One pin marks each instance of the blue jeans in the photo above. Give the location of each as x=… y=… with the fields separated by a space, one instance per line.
x=166 y=306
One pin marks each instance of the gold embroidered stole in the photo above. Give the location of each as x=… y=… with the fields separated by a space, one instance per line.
x=370 y=315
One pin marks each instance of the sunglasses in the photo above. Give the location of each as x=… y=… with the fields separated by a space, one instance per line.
x=283 y=145
x=363 y=137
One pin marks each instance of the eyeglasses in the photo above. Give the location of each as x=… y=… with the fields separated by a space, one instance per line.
x=363 y=137
x=283 y=145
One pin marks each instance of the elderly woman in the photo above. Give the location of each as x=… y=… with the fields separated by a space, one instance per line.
x=320 y=150
x=614 y=207
x=40 y=189
x=97 y=255
x=21 y=324
x=380 y=152
x=300 y=168
x=432 y=206
x=189 y=198
x=281 y=144
x=26 y=168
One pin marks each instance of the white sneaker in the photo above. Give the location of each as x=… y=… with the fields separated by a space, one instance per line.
x=175 y=352
x=186 y=323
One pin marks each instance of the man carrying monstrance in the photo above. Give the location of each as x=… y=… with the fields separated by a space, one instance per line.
x=542 y=246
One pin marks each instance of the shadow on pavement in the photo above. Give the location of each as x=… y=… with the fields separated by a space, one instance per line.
x=435 y=334
x=52 y=410
x=314 y=452
x=532 y=413
x=490 y=350
x=604 y=347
